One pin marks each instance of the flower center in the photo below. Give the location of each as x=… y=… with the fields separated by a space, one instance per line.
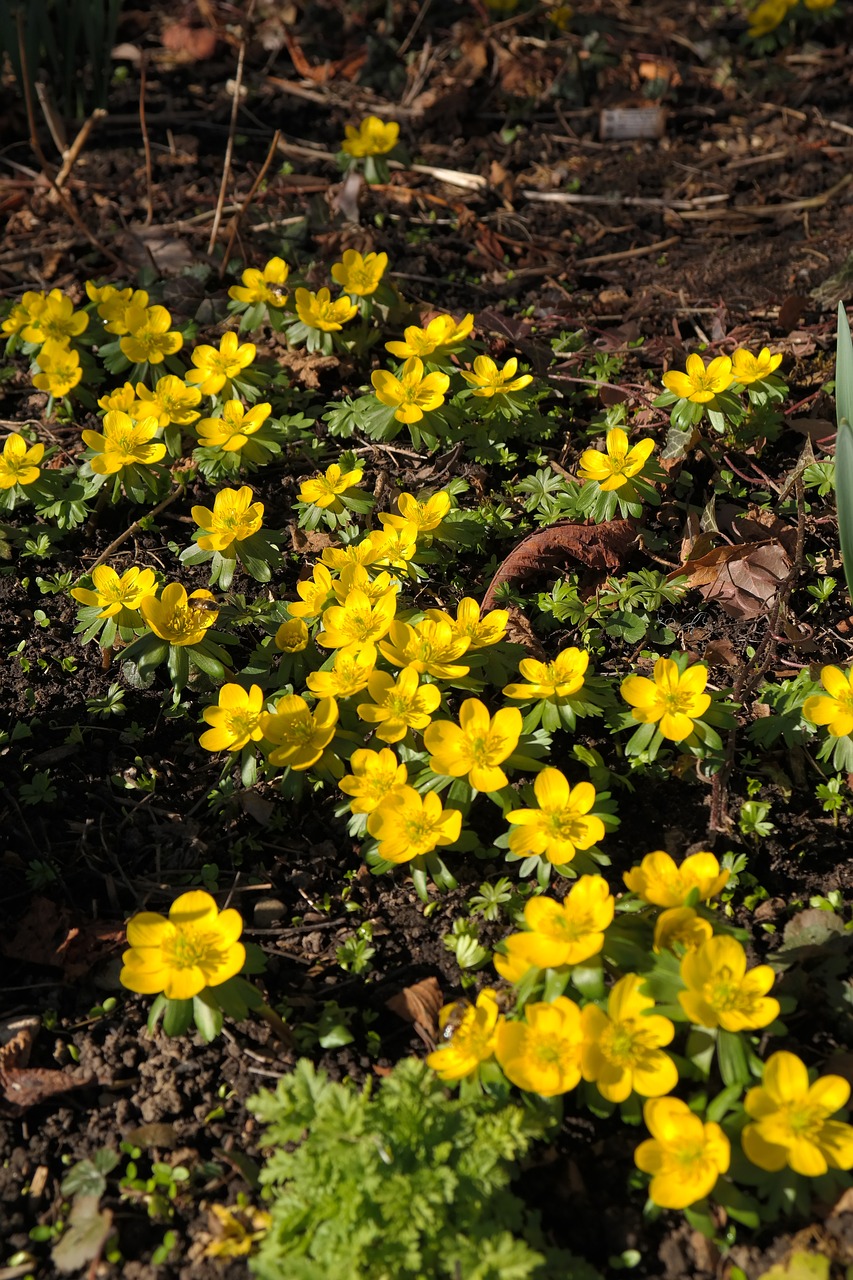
x=722 y=992
x=617 y=1043
x=190 y=948
x=676 y=701
x=242 y=723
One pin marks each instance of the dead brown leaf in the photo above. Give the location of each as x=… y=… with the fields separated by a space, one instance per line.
x=308 y=540
x=47 y=935
x=519 y=631
x=420 y=1005
x=189 y=44
x=742 y=579
x=601 y=547
x=21 y=1086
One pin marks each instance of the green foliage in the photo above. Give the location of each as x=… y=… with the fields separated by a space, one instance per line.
x=397 y=1183
x=844 y=443
x=71 y=40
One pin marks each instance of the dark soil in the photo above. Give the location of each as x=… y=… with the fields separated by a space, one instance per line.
x=731 y=198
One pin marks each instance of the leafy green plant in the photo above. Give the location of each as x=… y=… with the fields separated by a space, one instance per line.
x=71 y=40
x=400 y=1182
x=844 y=443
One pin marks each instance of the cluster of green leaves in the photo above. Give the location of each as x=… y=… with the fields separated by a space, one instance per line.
x=398 y=1182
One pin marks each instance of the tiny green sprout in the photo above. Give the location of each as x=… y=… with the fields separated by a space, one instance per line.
x=356 y=954
x=491 y=898
x=752 y=819
x=39 y=791
x=109 y=704
x=465 y=944
x=831 y=799
x=832 y=900
x=821 y=592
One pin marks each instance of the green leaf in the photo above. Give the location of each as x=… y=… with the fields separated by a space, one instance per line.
x=177 y=1017
x=731 y=1055
x=844 y=443
x=207 y=1015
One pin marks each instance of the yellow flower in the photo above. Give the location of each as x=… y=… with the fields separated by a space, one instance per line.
x=681 y=927
x=428 y=646
x=235 y=720
x=375 y=774
x=561 y=825
x=721 y=993
x=231 y=432
x=472 y=1040
x=214 y=369
x=619 y=464
x=124 y=443
x=112 y=594
x=836 y=711
x=675 y=699
x=114 y=306
x=819 y=5
x=299 y=735
x=56 y=321
x=622 y=1047
x=360 y=276
x=479 y=631
x=349 y=674
x=124 y=399
x=542 y=1053
x=17 y=320
x=766 y=17
x=791 y=1120
x=314 y=592
x=748 y=368
x=392 y=547
x=60 y=369
x=357 y=620
x=317 y=311
x=658 y=880
x=175 y=617
x=195 y=948
x=412 y=394
x=366 y=552
x=263 y=286
x=488 y=380
x=560 y=933
x=440 y=337
x=421 y=517
x=170 y=401
x=684 y=1156
x=233 y=519
x=292 y=636
x=700 y=385
x=477 y=746
x=326 y=490
x=408 y=825
x=354 y=577
x=373 y=137
x=149 y=336
x=561 y=16
x=399 y=705
x=551 y=680
x=19 y=461
x=238 y=1231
